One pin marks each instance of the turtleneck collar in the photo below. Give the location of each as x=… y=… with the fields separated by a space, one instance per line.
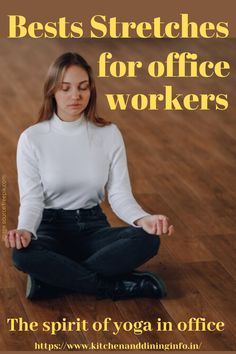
x=67 y=128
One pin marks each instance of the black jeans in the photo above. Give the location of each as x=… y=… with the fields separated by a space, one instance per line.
x=78 y=250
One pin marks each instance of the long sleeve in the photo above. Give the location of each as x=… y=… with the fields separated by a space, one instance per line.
x=30 y=187
x=118 y=187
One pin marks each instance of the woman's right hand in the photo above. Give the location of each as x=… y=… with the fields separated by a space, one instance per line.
x=17 y=238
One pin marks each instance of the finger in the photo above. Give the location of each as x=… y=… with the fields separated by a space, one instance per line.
x=165 y=225
x=18 y=241
x=151 y=229
x=24 y=241
x=162 y=217
x=12 y=239
x=171 y=230
x=159 y=227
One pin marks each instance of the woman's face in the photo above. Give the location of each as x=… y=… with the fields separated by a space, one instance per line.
x=73 y=93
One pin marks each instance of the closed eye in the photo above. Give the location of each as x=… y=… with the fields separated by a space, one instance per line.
x=66 y=86
x=84 y=86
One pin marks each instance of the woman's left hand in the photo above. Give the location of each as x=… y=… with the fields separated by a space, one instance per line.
x=156 y=224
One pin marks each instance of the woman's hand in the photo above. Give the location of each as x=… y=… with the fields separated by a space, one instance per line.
x=17 y=238
x=156 y=224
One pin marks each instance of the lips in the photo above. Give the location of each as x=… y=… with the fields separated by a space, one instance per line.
x=75 y=105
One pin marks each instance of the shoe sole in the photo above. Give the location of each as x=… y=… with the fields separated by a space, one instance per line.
x=160 y=283
x=35 y=291
x=29 y=288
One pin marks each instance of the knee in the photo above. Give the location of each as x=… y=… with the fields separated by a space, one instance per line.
x=20 y=259
x=152 y=244
x=149 y=243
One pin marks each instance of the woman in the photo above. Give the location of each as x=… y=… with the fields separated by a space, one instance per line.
x=65 y=163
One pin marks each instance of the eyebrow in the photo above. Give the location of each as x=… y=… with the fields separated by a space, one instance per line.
x=81 y=82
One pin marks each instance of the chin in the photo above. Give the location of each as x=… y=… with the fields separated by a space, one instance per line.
x=75 y=112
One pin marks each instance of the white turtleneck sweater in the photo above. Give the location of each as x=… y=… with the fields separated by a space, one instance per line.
x=70 y=165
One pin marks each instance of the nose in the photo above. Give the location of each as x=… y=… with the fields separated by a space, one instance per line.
x=76 y=94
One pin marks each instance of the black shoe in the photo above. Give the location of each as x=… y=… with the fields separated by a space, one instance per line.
x=156 y=279
x=35 y=289
x=138 y=284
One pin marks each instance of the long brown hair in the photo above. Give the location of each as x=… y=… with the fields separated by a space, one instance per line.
x=55 y=73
